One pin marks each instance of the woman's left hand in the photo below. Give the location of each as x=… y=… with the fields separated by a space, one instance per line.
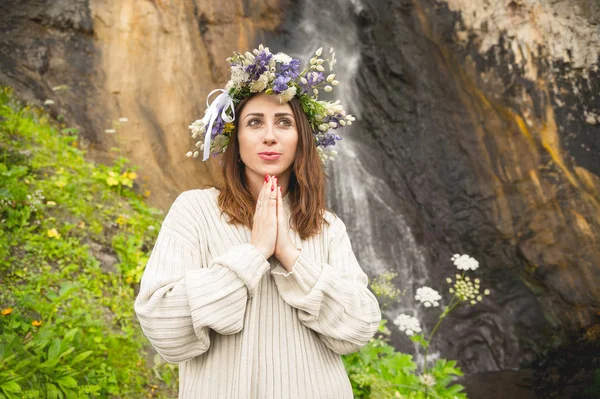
x=285 y=250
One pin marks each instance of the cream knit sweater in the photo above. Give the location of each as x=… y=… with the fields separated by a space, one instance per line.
x=241 y=326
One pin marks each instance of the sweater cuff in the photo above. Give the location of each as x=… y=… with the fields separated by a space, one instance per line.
x=301 y=280
x=247 y=262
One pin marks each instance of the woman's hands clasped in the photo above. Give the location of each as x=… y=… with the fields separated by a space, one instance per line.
x=270 y=230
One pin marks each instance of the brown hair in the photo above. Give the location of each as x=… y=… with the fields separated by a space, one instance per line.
x=306 y=189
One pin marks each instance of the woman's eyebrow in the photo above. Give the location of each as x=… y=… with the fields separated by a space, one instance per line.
x=261 y=114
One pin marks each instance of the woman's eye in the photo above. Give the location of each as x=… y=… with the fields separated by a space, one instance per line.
x=286 y=120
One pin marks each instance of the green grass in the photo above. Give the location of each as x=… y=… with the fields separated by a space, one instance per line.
x=67 y=328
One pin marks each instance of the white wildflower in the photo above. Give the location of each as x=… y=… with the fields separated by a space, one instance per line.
x=331 y=77
x=303 y=80
x=327 y=88
x=408 y=324
x=427 y=380
x=464 y=262
x=197 y=128
x=319 y=52
x=189 y=154
x=48 y=102
x=260 y=84
x=238 y=76
x=282 y=58
x=320 y=68
x=335 y=82
x=287 y=95
x=428 y=297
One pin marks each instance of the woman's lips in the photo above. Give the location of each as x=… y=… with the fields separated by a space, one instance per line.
x=269 y=157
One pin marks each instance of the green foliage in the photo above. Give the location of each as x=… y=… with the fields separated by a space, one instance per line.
x=378 y=371
x=67 y=325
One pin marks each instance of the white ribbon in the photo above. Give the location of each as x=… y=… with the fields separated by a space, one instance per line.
x=210 y=115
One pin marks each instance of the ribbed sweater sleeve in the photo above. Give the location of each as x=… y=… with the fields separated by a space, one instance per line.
x=332 y=298
x=179 y=300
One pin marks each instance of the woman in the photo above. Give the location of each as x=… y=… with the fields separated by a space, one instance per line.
x=254 y=289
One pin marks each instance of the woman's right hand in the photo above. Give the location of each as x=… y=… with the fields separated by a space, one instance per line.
x=264 y=226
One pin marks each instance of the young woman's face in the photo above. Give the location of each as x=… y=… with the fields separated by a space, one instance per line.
x=267 y=135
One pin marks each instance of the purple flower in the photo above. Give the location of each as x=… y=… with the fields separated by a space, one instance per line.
x=313 y=79
x=217 y=127
x=261 y=64
x=290 y=70
x=327 y=139
x=280 y=83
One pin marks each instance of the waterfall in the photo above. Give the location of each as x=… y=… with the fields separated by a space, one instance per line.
x=357 y=191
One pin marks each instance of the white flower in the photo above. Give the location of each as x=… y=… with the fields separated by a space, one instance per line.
x=319 y=51
x=238 y=76
x=427 y=380
x=123 y=120
x=110 y=131
x=327 y=88
x=197 y=128
x=320 y=68
x=189 y=154
x=282 y=58
x=303 y=80
x=48 y=102
x=408 y=324
x=287 y=95
x=331 y=77
x=464 y=262
x=428 y=297
x=335 y=82
x=260 y=84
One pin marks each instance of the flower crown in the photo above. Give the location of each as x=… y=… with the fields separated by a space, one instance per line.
x=261 y=71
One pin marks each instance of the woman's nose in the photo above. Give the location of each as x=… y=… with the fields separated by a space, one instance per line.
x=269 y=133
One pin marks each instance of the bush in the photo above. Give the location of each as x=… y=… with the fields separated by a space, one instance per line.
x=67 y=327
